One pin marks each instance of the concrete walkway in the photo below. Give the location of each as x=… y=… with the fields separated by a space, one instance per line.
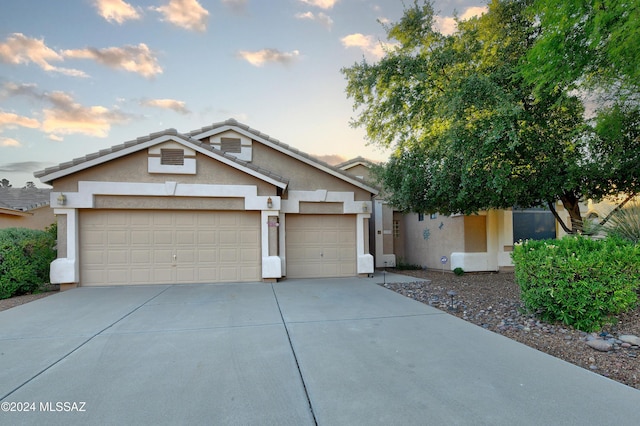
x=298 y=352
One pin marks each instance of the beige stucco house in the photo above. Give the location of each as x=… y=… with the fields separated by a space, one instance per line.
x=475 y=243
x=224 y=203
x=25 y=208
x=381 y=233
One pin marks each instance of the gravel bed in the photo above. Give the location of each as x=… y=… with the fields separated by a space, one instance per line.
x=492 y=301
x=25 y=298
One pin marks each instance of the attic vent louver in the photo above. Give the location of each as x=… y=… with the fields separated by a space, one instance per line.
x=172 y=157
x=230 y=145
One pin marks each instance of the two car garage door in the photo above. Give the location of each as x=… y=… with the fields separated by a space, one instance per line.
x=144 y=247
x=148 y=247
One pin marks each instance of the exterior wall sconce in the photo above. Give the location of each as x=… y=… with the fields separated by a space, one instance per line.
x=365 y=207
x=62 y=199
x=269 y=202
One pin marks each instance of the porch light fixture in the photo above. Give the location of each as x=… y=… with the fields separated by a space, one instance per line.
x=365 y=207
x=269 y=202
x=62 y=199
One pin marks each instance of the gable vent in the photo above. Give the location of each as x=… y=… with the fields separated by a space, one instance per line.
x=231 y=145
x=172 y=157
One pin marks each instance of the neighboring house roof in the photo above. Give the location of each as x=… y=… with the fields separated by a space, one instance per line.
x=355 y=162
x=49 y=174
x=191 y=139
x=19 y=201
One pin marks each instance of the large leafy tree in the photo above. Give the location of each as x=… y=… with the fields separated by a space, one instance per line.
x=586 y=43
x=592 y=47
x=469 y=132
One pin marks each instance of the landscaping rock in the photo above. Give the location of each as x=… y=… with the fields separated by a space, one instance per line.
x=629 y=338
x=600 y=345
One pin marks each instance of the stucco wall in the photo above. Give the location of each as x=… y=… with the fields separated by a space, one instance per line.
x=444 y=235
x=361 y=171
x=302 y=176
x=171 y=203
x=134 y=168
x=39 y=218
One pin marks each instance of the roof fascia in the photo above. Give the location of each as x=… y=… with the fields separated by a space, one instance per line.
x=13 y=212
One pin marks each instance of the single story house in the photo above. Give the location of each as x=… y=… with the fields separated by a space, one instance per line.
x=475 y=243
x=224 y=203
x=25 y=208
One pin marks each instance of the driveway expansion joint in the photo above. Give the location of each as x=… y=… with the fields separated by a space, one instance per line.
x=295 y=357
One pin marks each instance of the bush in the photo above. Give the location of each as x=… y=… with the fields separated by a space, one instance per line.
x=402 y=266
x=25 y=256
x=458 y=271
x=578 y=281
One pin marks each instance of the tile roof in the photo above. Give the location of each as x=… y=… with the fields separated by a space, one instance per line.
x=259 y=134
x=190 y=137
x=354 y=161
x=24 y=199
x=150 y=137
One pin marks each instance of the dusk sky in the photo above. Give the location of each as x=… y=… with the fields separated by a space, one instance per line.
x=78 y=76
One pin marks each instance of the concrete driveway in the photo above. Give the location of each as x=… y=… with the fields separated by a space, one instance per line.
x=298 y=352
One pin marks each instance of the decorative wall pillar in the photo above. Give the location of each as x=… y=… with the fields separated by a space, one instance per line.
x=271 y=263
x=66 y=270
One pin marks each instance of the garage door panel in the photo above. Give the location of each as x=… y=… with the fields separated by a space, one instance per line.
x=140 y=257
x=187 y=256
x=330 y=253
x=209 y=255
x=207 y=237
x=228 y=255
x=117 y=276
x=163 y=275
x=140 y=276
x=185 y=275
x=163 y=237
x=320 y=245
x=186 y=237
x=117 y=257
x=117 y=219
x=117 y=237
x=142 y=237
x=140 y=247
x=330 y=237
x=247 y=256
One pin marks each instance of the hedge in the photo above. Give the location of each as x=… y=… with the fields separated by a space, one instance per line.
x=578 y=281
x=25 y=256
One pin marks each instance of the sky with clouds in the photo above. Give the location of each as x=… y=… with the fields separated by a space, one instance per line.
x=78 y=76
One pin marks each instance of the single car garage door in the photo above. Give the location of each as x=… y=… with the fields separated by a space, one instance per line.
x=321 y=246
x=148 y=247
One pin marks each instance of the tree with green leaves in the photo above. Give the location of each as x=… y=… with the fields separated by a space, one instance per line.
x=469 y=132
x=586 y=44
x=592 y=47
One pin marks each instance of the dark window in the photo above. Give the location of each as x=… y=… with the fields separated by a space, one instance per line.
x=172 y=157
x=231 y=145
x=533 y=224
x=420 y=217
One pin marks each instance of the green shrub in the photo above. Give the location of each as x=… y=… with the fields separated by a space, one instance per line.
x=578 y=281
x=25 y=256
x=401 y=265
x=458 y=271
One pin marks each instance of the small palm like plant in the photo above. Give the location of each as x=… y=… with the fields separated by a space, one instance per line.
x=625 y=223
